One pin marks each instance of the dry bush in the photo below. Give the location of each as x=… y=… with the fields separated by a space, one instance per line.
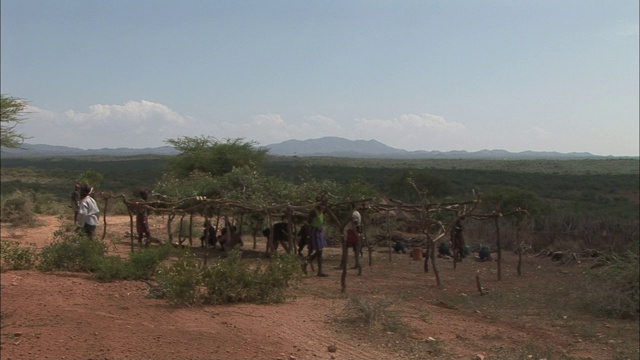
x=19 y=209
x=614 y=290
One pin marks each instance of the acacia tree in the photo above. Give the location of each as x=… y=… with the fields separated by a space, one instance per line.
x=11 y=109
x=209 y=155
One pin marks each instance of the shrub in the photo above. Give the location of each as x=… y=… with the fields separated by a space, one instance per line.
x=117 y=208
x=181 y=280
x=372 y=312
x=233 y=281
x=142 y=264
x=614 y=290
x=47 y=204
x=18 y=209
x=110 y=268
x=16 y=257
x=229 y=281
x=72 y=252
x=366 y=310
x=282 y=272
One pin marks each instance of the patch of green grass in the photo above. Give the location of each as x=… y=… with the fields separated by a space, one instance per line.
x=17 y=257
x=110 y=268
x=72 y=252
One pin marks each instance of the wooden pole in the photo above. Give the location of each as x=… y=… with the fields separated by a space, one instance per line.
x=104 y=218
x=498 y=245
x=130 y=226
x=191 y=229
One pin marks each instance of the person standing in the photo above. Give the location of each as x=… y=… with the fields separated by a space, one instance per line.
x=142 y=220
x=87 y=212
x=75 y=202
x=318 y=240
x=457 y=240
x=353 y=233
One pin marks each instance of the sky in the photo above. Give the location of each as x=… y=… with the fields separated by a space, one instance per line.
x=539 y=75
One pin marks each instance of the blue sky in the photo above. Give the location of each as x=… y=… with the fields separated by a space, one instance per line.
x=415 y=75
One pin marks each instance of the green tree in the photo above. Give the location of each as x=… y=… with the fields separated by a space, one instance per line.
x=91 y=178
x=433 y=186
x=11 y=109
x=509 y=198
x=208 y=155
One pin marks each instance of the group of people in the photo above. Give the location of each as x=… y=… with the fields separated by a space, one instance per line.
x=229 y=236
x=86 y=218
x=86 y=213
x=318 y=241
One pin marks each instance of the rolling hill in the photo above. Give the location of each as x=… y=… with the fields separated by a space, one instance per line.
x=325 y=146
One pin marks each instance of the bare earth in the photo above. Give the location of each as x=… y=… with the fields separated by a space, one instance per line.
x=74 y=316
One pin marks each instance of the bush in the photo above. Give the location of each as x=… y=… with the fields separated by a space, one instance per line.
x=47 y=204
x=614 y=290
x=368 y=311
x=18 y=209
x=229 y=281
x=142 y=264
x=282 y=272
x=110 y=268
x=72 y=252
x=372 y=312
x=117 y=208
x=16 y=257
x=181 y=280
x=232 y=281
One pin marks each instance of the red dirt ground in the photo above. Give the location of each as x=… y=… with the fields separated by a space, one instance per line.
x=73 y=316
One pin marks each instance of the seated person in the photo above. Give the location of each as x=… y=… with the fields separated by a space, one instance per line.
x=399 y=247
x=444 y=250
x=484 y=254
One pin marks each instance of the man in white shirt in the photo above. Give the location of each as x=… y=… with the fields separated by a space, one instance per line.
x=87 y=212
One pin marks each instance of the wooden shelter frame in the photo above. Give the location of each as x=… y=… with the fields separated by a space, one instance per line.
x=433 y=229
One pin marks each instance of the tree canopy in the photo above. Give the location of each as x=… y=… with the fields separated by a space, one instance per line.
x=11 y=109
x=211 y=156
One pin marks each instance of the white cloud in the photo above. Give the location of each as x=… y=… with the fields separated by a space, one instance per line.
x=139 y=124
x=428 y=121
x=273 y=128
x=412 y=132
x=135 y=124
x=409 y=131
x=539 y=133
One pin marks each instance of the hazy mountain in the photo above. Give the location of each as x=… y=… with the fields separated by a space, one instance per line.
x=326 y=146
x=333 y=146
x=340 y=147
x=41 y=150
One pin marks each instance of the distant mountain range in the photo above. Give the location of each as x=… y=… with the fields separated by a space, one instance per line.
x=340 y=147
x=326 y=146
